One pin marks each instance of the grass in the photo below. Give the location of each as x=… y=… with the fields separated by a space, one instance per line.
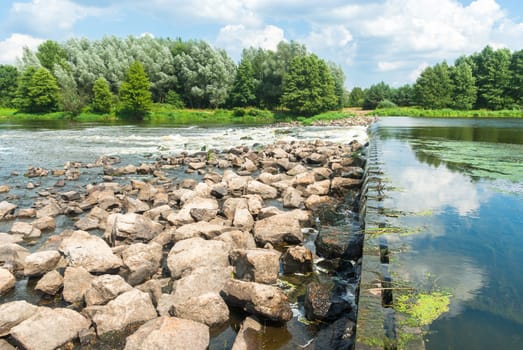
x=445 y=113
x=327 y=116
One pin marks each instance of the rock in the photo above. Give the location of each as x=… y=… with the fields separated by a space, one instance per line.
x=200 y=214
x=297 y=259
x=248 y=166
x=96 y=218
x=314 y=202
x=243 y=219
x=105 y=288
x=90 y=252
x=4 y=189
x=292 y=198
x=39 y=263
x=231 y=204
x=131 y=226
x=298 y=169
x=337 y=241
x=316 y=158
x=8 y=238
x=257 y=265
x=134 y=205
x=128 y=308
x=50 y=283
x=13 y=313
x=4 y=345
x=36 y=172
x=142 y=261
x=52 y=209
x=254 y=203
x=219 y=190
x=49 y=328
x=6 y=209
x=340 y=184
x=157 y=212
x=166 y=333
x=278 y=229
x=263 y=300
x=197 y=165
x=209 y=309
x=237 y=240
x=26 y=213
x=320 y=188
x=184 y=215
x=70 y=196
x=13 y=256
x=249 y=335
x=192 y=253
x=322 y=173
x=76 y=281
x=25 y=229
x=7 y=281
x=265 y=191
x=268 y=212
x=154 y=288
x=337 y=336
x=325 y=302
x=199 y=229
x=45 y=223
x=304 y=179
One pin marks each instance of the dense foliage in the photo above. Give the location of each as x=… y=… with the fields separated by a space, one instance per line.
x=135 y=94
x=86 y=75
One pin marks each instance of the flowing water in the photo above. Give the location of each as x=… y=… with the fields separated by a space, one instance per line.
x=453 y=224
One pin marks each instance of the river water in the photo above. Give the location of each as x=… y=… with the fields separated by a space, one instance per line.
x=453 y=223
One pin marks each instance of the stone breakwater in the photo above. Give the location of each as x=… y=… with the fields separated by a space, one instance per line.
x=165 y=260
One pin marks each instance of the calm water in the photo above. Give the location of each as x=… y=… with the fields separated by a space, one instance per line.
x=455 y=190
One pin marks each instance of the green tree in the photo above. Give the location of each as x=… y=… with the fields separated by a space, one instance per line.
x=51 y=53
x=433 y=88
x=403 y=96
x=38 y=91
x=308 y=86
x=339 y=82
x=244 y=88
x=8 y=85
x=464 y=92
x=102 y=96
x=356 y=97
x=493 y=78
x=376 y=94
x=516 y=69
x=70 y=100
x=135 y=94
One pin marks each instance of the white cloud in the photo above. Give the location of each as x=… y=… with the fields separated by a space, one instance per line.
x=50 y=16
x=417 y=71
x=329 y=36
x=236 y=37
x=12 y=47
x=385 y=66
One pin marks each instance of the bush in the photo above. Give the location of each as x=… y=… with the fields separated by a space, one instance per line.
x=174 y=99
x=386 y=104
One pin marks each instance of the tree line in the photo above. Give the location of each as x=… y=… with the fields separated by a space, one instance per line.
x=129 y=74
x=490 y=79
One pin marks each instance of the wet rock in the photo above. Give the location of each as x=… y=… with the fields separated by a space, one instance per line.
x=257 y=265
x=340 y=184
x=325 y=302
x=262 y=300
x=52 y=209
x=337 y=336
x=249 y=335
x=261 y=189
x=6 y=209
x=13 y=256
x=278 y=229
x=198 y=229
x=292 y=198
x=70 y=196
x=72 y=174
x=128 y=308
x=209 y=309
x=298 y=169
x=314 y=202
x=14 y=313
x=165 y=333
x=4 y=189
x=142 y=261
x=36 y=172
x=90 y=252
x=76 y=281
x=49 y=328
x=197 y=165
x=50 y=283
x=59 y=183
x=105 y=288
x=337 y=241
x=39 y=263
x=320 y=188
x=189 y=254
x=7 y=281
x=25 y=229
x=45 y=223
x=297 y=259
x=131 y=226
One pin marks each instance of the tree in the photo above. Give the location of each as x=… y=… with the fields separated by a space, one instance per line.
x=37 y=91
x=433 y=88
x=375 y=94
x=8 y=85
x=493 y=78
x=339 y=82
x=135 y=95
x=403 y=96
x=308 y=86
x=516 y=69
x=51 y=53
x=70 y=100
x=244 y=88
x=102 y=96
x=464 y=93
x=356 y=97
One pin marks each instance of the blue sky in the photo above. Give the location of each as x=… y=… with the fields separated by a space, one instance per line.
x=373 y=41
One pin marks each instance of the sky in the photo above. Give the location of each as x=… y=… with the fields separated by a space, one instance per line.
x=373 y=40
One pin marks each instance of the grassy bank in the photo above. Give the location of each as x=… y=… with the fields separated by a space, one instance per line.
x=445 y=113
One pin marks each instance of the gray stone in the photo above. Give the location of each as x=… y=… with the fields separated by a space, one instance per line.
x=7 y=281
x=292 y=198
x=6 y=209
x=50 y=283
x=131 y=226
x=166 y=333
x=105 y=288
x=249 y=335
x=237 y=240
x=209 y=309
x=198 y=229
x=257 y=265
x=25 y=229
x=259 y=188
x=142 y=261
x=76 y=281
x=278 y=229
x=45 y=223
x=14 y=313
x=39 y=263
x=13 y=256
x=200 y=282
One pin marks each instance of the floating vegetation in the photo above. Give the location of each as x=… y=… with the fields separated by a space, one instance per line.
x=402 y=231
x=423 y=308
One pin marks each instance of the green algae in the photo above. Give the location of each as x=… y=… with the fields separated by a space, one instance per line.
x=422 y=308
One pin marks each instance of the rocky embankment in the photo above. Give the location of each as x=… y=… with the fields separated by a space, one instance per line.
x=163 y=261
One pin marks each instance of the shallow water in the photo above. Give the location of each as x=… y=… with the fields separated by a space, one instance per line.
x=454 y=191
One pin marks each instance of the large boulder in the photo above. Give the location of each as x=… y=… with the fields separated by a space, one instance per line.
x=257 y=265
x=131 y=227
x=166 y=333
x=105 y=288
x=96 y=219
x=50 y=283
x=76 y=281
x=142 y=261
x=237 y=240
x=49 y=328
x=263 y=300
x=90 y=252
x=209 y=309
x=337 y=336
x=198 y=229
x=37 y=264
x=13 y=313
x=259 y=188
x=190 y=254
x=130 y=307
x=7 y=281
x=292 y=198
x=337 y=241
x=278 y=229
x=249 y=335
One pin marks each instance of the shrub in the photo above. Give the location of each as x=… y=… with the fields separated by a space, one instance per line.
x=386 y=104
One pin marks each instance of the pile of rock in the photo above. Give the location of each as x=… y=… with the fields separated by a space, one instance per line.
x=175 y=255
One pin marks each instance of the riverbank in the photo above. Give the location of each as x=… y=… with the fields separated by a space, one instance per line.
x=252 y=209
x=444 y=113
